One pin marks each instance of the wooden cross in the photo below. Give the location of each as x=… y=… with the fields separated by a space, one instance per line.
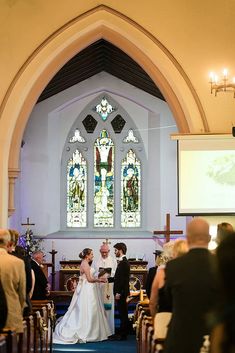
x=167 y=232
x=28 y=224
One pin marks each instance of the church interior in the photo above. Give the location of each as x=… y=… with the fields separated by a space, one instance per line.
x=99 y=101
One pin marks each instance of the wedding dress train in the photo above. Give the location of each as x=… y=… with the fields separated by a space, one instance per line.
x=85 y=320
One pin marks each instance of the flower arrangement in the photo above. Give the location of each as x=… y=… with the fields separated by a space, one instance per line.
x=29 y=243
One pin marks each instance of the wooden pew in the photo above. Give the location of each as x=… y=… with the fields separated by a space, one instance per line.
x=145 y=345
x=30 y=333
x=23 y=339
x=3 y=344
x=141 y=311
x=37 y=334
x=11 y=340
x=47 y=311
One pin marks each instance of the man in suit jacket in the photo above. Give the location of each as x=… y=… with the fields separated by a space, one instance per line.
x=121 y=289
x=40 y=290
x=151 y=274
x=12 y=274
x=191 y=284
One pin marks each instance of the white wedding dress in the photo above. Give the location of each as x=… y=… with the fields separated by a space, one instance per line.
x=85 y=320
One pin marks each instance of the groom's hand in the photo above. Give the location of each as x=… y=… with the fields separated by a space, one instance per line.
x=117 y=296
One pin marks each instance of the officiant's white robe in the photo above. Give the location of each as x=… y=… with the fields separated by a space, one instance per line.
x=109 y=262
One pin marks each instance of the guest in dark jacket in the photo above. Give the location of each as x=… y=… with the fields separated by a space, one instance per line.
x=223 y=334
x=3 y=307
x=191 y=282
x=151 y=274
x=40 y=290
x=21 y=253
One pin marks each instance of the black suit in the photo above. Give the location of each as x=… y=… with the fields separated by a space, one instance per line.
x=27 y=264
x=191 y=283
x=40 y=288
x=121 y=286
x=149 y=280
x=3 y=307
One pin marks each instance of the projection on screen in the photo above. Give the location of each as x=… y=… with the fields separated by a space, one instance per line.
x=206 y=176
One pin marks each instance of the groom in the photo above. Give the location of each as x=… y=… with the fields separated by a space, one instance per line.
x=121 y=289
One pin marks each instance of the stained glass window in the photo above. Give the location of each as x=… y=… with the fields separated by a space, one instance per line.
x=130 y=190
x=130 y=137
x=76 y=191
x=77 y=137
x=104 y=108
x=104 y=181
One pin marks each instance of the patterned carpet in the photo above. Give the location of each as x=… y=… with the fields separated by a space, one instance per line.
x=128 y=346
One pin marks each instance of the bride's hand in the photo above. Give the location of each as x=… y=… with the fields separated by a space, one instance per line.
x=102 y=280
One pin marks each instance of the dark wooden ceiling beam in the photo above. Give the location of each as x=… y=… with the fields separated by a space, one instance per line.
x=100 y=56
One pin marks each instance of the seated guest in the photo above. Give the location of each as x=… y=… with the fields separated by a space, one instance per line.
x=151 y=273
x=191 y=285
x=223 y=335
x=40 y=290
x=223 y=230
x=158 y=301
x=12 y=274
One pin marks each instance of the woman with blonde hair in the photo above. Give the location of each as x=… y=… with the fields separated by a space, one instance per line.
x=171 y=250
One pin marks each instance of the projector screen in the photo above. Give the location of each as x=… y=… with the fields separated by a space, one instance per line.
x=206 y=176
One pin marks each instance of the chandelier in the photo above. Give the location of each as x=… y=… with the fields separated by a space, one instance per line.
x=222 y=84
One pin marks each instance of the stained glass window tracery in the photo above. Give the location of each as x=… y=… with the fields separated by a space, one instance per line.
x=130 y=137
x=130 y=191
x=77 y=137
x=77 y=191
x=104 y=108
x=104 y=181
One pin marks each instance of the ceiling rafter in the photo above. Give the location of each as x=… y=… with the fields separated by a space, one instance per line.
x=100 y=56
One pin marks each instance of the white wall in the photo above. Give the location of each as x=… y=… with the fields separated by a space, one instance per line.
x=38 y=195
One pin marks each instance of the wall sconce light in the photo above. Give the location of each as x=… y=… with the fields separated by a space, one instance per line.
x=222 y=84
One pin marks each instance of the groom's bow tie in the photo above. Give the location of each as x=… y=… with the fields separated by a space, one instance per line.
x=119 y=260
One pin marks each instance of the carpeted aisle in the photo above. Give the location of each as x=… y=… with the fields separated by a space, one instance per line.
x=128 y=346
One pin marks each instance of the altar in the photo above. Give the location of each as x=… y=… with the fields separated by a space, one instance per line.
x=70 y=271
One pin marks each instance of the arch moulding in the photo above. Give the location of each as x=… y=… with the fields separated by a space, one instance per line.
x=56 y=50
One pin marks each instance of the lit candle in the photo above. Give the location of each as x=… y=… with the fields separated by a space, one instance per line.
x=225 y=73
x=53 y=245
x=212 y=77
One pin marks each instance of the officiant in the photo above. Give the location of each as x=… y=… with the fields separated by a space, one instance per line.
x=106 y=266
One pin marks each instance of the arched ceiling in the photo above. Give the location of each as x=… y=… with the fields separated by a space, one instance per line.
x=100 y=56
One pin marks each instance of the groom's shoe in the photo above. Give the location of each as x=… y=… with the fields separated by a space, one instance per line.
x=122 y=338
x=117 y=338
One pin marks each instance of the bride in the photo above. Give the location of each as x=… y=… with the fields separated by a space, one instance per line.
x=85 y=320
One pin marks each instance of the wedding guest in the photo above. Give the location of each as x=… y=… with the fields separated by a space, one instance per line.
x=12 y=274
x=223 y=230
x=85 y=320
x=223 y=335
x=3 y=306
x=21 y=253
x=158 y=301
x=151 y=273
x=40 y=289
x=191 y=284
x=14 y=236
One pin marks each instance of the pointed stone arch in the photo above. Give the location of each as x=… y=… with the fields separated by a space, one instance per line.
x=63 y=44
